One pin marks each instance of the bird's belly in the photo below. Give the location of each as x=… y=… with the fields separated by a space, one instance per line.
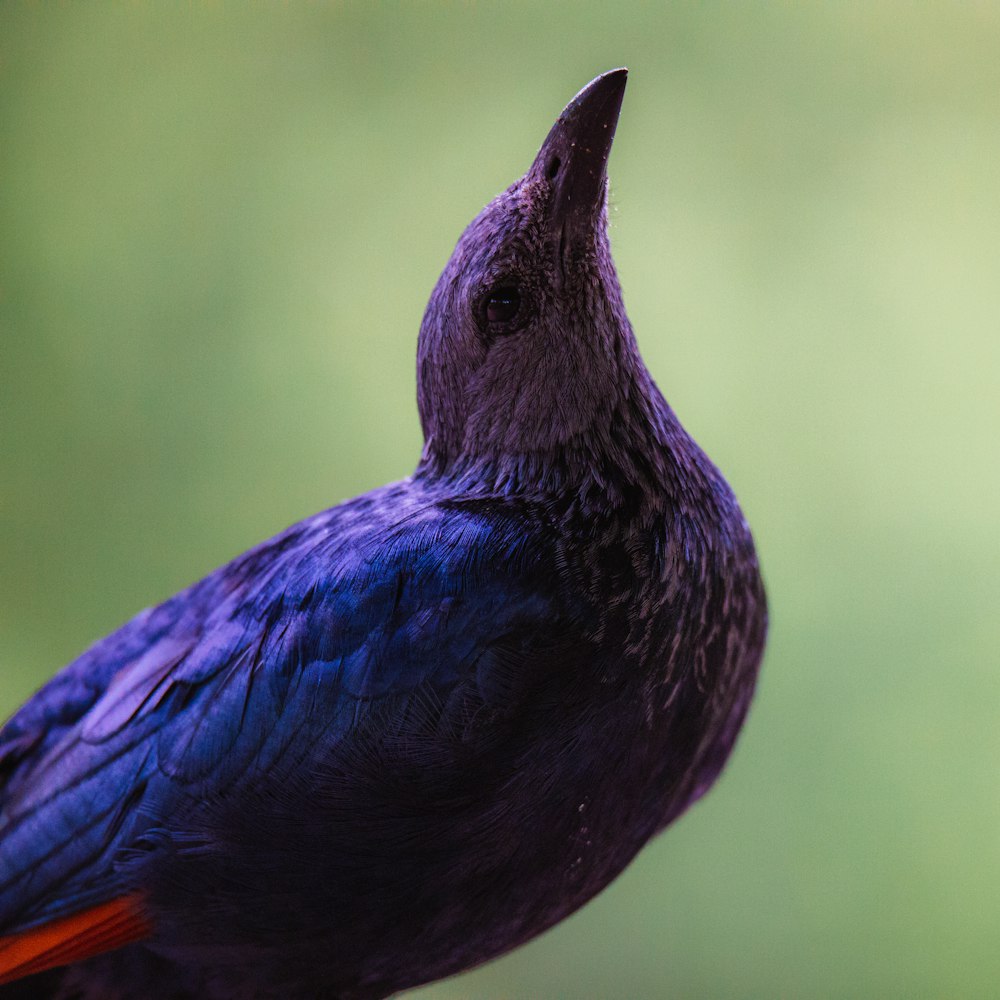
x=561 y=827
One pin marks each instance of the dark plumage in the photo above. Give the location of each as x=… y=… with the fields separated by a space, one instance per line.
x=415 y=730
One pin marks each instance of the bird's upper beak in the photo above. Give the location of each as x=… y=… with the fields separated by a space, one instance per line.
x=574 y=156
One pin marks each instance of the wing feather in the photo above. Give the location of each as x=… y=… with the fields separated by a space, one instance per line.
x=303 y=641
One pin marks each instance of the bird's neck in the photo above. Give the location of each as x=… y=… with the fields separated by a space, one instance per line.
x=637 y=457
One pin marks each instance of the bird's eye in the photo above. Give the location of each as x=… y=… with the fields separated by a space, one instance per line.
x=502 y=304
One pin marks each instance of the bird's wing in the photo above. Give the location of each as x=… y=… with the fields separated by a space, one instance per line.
x=65 y=798
x=301 y=644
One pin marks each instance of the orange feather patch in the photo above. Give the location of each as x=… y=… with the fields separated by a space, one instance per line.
x=71 y=939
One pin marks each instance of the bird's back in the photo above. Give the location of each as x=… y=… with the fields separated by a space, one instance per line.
x=383 y=642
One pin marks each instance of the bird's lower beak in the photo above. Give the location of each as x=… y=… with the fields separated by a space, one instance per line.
x=574 y=156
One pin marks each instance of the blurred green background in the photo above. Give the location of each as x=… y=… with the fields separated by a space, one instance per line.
x=218 y=229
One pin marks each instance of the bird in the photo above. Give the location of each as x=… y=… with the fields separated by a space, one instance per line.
x=412 y=732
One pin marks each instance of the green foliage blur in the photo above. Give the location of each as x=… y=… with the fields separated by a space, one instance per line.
x=219 y=225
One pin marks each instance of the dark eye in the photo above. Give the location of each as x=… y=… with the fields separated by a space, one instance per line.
x=502 y=304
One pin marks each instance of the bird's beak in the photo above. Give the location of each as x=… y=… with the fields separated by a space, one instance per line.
x=574 y=156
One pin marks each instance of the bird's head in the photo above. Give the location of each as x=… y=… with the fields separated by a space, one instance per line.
x=525 y=349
